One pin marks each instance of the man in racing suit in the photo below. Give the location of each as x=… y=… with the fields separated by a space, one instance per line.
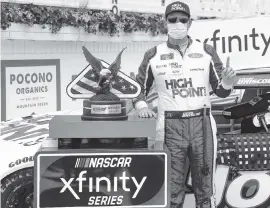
x=184 y=72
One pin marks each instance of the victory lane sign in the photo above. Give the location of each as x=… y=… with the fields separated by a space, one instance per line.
x=126 y=180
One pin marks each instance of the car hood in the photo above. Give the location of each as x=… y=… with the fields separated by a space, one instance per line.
x=21 y=138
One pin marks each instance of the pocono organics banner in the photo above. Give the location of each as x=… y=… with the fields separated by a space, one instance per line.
x=246 y=40
x=29 y=86
x=127 y=180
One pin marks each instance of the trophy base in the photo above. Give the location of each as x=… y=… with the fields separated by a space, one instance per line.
x=112 y=118
x=104 y=110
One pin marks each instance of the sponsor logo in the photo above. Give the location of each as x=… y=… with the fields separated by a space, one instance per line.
x=27 y=132
x=177 y=7
x=255 y=100
x=246 y=189
x=161 y=66
x=190 y=114
x=34 y=78
x=161 y=73
x=195 y=55
x=167 y=56
x=105 y=180
x=226 y=113
x=97 y=183
x=21 y=161
x=175 y=65
x=184 y=88
x=31 y=78
x=99 y=109
x=253 y=81
x=106 y=109
x=198 y=69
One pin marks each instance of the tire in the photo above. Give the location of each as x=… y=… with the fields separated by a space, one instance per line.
x=17 y=189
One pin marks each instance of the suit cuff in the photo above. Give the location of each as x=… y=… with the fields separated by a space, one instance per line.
x=140 y=104
x=225 y=86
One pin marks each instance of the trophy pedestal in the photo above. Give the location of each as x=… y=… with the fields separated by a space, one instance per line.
x=104 y=110
x=78 y=150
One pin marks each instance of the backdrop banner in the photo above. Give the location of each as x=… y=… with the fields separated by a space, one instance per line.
x=245 y=40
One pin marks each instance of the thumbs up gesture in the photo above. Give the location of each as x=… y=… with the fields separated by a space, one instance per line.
x=228 y=74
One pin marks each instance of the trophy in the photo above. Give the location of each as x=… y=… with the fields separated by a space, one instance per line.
x=104 y=89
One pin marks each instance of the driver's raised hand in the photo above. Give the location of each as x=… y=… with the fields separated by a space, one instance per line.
x=146 y=113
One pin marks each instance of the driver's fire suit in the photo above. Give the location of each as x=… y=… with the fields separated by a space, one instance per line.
x=184 y=83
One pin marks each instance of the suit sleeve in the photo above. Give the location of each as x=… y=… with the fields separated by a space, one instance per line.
x=145 y=78
x=216 y=68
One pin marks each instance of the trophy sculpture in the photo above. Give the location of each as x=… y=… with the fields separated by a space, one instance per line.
x=103 y=86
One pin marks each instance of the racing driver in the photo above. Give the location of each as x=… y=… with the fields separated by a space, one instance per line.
x=184 y=72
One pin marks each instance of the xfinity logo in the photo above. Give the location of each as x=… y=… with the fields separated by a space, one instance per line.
x=96 y=182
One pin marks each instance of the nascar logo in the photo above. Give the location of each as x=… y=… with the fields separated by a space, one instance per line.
x=253 y=81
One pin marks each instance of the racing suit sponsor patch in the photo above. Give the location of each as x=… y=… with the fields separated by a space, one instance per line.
x=184 y=88
x=161 y=73
x=175 y=65
x=161 y=66
x=195 y=55
x=168 y=56
x=198 y=69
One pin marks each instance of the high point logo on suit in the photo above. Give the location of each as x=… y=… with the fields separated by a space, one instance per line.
x=184 y=88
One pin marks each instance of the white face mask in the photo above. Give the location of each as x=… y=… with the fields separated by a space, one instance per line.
x=177 y=30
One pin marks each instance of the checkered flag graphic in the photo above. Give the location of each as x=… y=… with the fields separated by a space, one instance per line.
x=245 y=152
